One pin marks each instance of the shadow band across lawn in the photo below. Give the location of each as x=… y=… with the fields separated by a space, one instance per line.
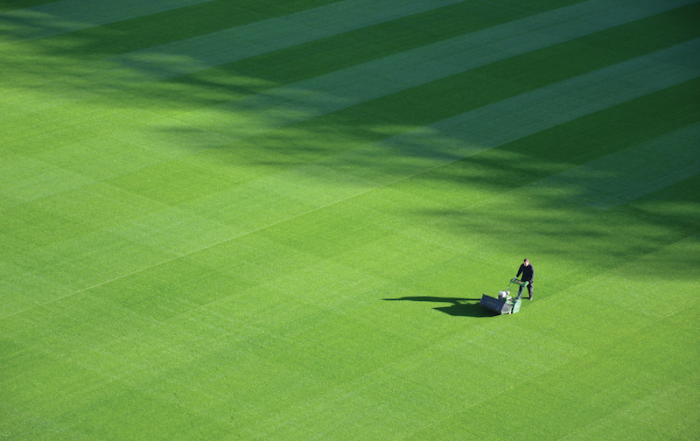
x=459 y=306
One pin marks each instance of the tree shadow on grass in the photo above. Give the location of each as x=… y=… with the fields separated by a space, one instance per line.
x=460 y=307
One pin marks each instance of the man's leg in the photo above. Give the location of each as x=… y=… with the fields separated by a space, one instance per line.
x=529 y=289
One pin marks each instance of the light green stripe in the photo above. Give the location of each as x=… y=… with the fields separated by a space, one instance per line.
x=73 y=15
x=335 y=91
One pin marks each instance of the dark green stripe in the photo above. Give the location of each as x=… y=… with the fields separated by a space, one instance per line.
x=424 y=104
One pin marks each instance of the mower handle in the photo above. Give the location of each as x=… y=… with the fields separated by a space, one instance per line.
x=518 y=282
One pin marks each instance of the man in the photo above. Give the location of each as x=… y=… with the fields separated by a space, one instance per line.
x=528 y=273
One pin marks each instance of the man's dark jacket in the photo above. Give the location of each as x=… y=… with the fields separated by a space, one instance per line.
x=527 y=271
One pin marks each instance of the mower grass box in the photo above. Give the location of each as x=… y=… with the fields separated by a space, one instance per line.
x=509 y=306
x=504 y=304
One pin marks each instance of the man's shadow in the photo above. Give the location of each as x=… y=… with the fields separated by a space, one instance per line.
x=460 y=307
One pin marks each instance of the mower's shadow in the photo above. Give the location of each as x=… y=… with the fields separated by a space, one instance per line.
x=460 y=307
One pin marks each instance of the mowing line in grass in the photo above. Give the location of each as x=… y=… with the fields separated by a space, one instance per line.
x=274 y=68
x=555 y=149
x=331 y=54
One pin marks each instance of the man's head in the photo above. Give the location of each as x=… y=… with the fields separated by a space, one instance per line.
x=526 y=262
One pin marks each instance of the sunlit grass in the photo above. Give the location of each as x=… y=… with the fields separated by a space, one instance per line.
x=292 y=245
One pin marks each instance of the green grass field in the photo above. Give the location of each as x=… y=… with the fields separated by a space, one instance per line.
x=274 y=219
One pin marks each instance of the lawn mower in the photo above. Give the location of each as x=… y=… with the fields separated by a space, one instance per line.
x=504 y=304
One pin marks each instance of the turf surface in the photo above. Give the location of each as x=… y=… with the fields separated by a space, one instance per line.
x=274 y=219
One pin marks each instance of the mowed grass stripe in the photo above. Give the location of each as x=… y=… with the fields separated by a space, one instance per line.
x=498 y=81
x=304 y=100
x=100 y=78
x=71 y=15
x=236 y=42
x=260 y=73
x=580 y=18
